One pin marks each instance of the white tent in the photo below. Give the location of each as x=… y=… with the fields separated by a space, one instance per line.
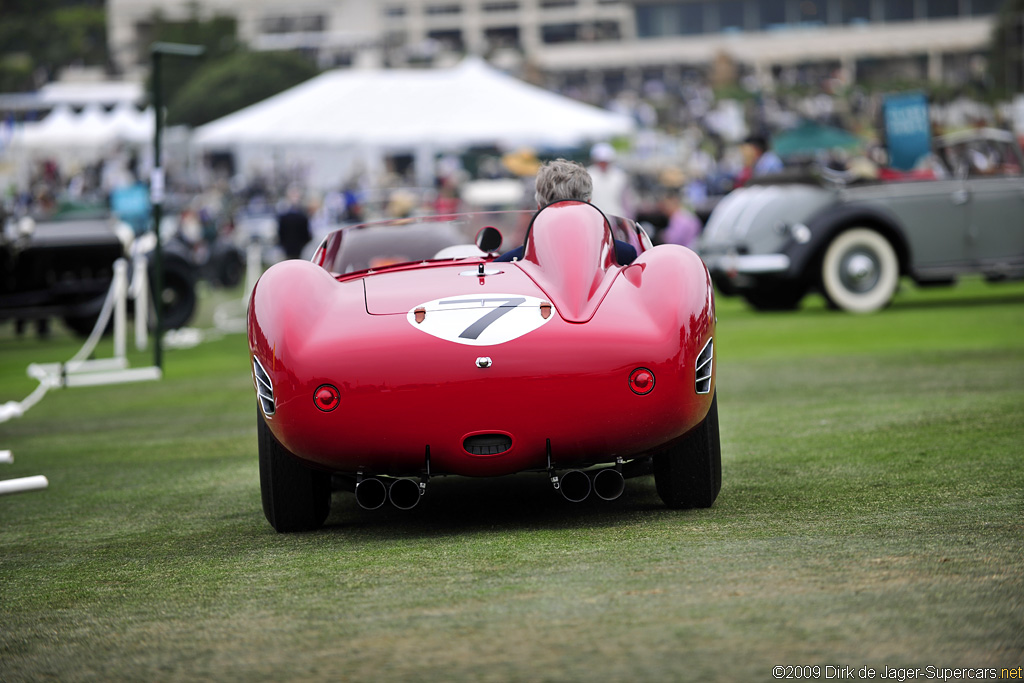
x=131 y=125
x=58 y=128
x=74 y=140
x=344 y=117
x=92 y=129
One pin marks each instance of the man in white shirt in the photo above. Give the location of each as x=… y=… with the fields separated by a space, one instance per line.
x=612 y=192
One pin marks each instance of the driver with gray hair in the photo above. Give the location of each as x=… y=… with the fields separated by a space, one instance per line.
x=561 y=180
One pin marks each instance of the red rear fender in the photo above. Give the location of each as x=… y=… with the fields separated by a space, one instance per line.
x=290 y=300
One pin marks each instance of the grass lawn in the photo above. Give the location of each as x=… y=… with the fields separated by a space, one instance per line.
x=871 y=514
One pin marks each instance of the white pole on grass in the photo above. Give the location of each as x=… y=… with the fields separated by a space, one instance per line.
x=140 y=294
x=120 y=286
x=23 y=484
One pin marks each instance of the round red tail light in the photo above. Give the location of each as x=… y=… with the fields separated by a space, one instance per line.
x=326 y=398
x=641 y=381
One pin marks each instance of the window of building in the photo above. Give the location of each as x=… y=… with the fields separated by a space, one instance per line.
x=443 y=9
x=451 y=39
x=560 y=33
x=663 y=19
x=772 y=13
x=855 y=11
x=310 y=23
x=730 y=15
x=394 y=11
x=980 y=8
x=313 y=23
x=898 y=10
x=501 y=6
x=502 y=37
x=605 y=30
x=556 y=4
x=812 y=11
x=941 y=9
x=691 y=18
x=277 y=25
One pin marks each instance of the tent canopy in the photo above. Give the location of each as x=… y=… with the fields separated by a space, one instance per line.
x=469 y=104
x=92 y=128
x=809 y=138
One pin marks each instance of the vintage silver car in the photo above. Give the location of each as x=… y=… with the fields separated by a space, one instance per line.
x=963 y=212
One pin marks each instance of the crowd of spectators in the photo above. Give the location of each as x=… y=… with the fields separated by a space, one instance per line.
x=691 y=147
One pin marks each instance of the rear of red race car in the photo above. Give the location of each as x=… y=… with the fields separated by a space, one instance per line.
x=558 y=362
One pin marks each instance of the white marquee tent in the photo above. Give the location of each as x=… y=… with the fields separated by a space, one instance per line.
x=92 y=129
x=74 y=139
x=340 y=119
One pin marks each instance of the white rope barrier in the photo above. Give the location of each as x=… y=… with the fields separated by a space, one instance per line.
x=101 y=324
x=80 y=371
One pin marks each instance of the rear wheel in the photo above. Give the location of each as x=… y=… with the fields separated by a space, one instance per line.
x=179 y=296
x=295 y=497
x=860 y=271
x=688 y=471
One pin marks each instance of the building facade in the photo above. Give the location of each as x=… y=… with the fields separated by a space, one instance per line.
x=574 y=39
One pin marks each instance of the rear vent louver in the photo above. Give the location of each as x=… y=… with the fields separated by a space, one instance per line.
x=487 y=444
x=264 y=389
x=704 y=366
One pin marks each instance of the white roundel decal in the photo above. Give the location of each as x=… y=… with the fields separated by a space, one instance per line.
x=480 y=319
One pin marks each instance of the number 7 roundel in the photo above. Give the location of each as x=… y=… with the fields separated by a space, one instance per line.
x=480 y=319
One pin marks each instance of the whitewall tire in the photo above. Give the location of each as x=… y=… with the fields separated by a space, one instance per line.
x=860 y=271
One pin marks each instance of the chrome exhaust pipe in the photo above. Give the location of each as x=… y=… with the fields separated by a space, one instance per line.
x=575 y=486
x=405 y=494
x=371 y=493
x=608 y=483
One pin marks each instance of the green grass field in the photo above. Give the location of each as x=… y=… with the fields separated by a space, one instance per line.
x=871 y=514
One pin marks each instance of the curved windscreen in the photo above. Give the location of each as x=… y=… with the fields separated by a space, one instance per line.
x=376 y=245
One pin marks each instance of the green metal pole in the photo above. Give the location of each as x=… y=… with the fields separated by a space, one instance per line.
x=156 y=192
x=156 y=186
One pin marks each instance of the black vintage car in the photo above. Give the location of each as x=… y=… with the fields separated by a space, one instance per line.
x=62 y=267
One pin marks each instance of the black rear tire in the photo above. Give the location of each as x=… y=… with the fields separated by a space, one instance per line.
x=688 y=470
x=179 y=295
x=295 y=497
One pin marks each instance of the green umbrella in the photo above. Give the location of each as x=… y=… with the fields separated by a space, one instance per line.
x=808 y=138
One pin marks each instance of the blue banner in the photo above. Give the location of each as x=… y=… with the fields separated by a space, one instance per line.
x=908 y=130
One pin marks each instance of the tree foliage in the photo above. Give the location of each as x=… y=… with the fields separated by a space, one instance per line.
x=39 y=37
x=235 y=81
x=217 y=36
x=1006 y=54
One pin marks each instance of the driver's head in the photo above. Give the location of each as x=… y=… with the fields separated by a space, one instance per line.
x=560 y=179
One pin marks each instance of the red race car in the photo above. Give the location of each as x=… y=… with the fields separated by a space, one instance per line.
x=405 y=351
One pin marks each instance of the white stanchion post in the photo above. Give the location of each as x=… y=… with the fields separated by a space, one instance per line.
x=253 y=267
x=120 y=306
x=23 y=484
x=140 y=294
